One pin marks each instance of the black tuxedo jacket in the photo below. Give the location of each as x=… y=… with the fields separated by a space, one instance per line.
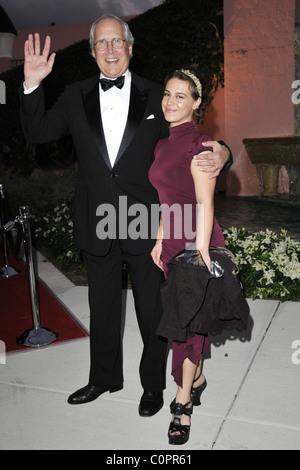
x=100 y=187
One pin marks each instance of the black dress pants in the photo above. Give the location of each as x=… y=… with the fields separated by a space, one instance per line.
x=105 y=300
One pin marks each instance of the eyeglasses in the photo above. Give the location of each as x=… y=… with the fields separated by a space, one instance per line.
x=116 y=43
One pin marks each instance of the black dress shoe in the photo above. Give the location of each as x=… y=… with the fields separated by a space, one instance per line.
x=90 y=393
x=151 y=403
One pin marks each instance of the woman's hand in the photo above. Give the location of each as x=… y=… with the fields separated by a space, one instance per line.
x=206 y=259
x=156 y=254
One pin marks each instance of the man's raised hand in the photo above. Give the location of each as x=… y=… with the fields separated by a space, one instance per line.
x=37 y=66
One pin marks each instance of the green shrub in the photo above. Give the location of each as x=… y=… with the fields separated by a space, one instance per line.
x=269 y=264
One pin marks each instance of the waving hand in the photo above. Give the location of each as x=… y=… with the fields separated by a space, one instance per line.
x=37 y=66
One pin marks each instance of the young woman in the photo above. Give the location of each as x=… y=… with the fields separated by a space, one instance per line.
x=186 y=196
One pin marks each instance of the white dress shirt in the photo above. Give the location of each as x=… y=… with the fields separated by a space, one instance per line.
x=27 y=91
x=114 y=105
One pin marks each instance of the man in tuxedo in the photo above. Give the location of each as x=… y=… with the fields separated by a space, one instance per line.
x=115 y=124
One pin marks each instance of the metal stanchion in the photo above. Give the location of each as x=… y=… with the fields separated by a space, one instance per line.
x=37 y=336
x=6 y=270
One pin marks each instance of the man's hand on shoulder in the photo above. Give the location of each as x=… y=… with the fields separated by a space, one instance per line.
x=212 y=162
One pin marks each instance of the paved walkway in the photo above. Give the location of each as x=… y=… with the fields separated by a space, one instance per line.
x=251 y=402
x=258 y=213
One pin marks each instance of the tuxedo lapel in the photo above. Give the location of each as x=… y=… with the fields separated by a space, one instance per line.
x=137 y=106
x=92 y=109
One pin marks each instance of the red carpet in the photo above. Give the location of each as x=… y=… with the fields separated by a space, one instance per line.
x=16 y=313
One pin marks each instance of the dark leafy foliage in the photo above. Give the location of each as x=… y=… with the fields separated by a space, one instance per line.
x=177 y=34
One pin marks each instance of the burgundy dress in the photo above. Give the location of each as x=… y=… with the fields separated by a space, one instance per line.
x=171 y=175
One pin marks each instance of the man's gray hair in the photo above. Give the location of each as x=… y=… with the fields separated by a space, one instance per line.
x=127 y=33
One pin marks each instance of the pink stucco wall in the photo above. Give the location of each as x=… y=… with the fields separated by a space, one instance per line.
x=61 y=36
x=259 y=71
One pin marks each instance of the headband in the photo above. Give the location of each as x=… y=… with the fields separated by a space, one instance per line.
x=195 y=80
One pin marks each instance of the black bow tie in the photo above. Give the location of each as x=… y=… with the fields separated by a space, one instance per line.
x=106 y=84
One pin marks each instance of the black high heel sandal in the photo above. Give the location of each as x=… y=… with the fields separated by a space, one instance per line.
x=175 y=426
x=196 y=392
